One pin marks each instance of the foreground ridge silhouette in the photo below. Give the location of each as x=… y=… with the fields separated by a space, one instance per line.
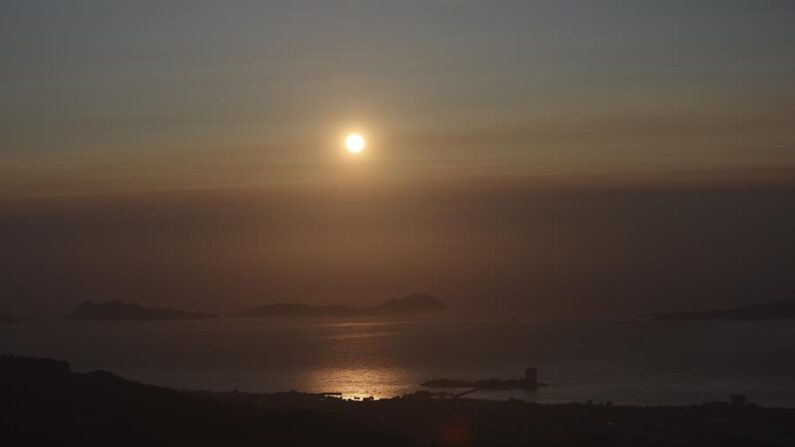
x=43 y=401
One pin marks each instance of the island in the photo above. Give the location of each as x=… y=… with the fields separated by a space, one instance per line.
x=765 y=311
x=528 y=382
x=417 y=303
x=120 y=311
x=45 y=402
x=6 y=319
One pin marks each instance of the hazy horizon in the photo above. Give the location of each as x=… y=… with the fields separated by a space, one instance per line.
x=497 y=250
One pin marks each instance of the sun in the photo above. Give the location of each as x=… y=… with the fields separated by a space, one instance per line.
x=355 y=143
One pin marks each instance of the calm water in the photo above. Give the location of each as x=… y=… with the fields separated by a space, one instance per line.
x=626 y=361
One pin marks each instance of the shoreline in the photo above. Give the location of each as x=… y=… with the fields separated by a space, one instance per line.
x=96 y=408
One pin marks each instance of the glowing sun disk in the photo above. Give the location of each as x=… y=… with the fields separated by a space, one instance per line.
x=354 y=143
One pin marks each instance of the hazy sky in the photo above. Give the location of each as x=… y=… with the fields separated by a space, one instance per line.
x=537 y=157
x=102 y=96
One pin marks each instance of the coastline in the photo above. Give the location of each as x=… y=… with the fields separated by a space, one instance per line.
x=97 y=407
x=581 y=361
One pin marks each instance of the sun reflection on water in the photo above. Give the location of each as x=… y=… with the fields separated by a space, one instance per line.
x=357 y=383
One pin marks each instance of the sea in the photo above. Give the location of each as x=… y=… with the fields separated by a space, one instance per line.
x=625 y=361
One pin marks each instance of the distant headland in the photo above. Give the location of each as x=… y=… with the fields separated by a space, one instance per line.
x=528 y=382
x=8 y=319
x=417 y=303
x=766 y=311
x=120 y=311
